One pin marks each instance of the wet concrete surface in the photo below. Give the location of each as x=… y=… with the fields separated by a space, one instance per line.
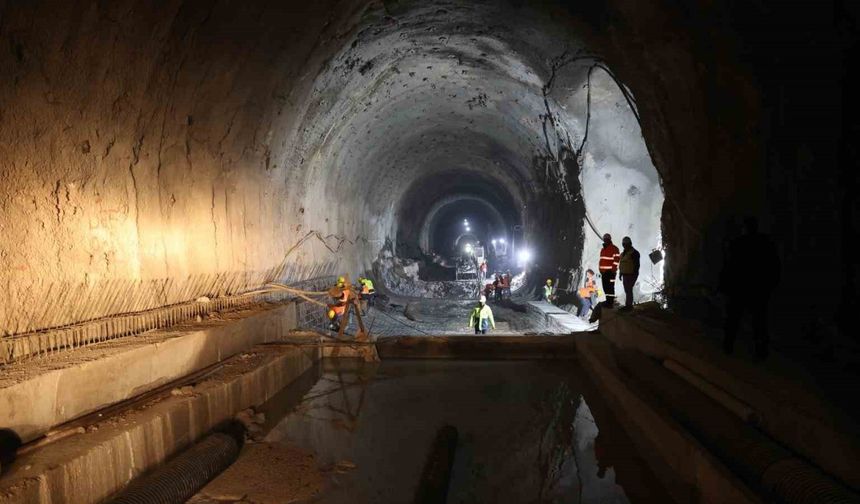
x=529 y=432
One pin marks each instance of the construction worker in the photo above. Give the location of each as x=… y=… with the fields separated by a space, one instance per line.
x=482 y=317
x=608 y=266
x=335 y=312
x=368 y=293
x=547 y=291
x=628 y=269
x=587 y=294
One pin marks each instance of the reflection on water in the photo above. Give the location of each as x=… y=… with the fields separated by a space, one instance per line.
x=526 y=432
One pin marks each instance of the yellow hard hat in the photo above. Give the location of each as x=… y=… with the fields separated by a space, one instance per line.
x=549 y=281
x=331 y=314
x=341 y=280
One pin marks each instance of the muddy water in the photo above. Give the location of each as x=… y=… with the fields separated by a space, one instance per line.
x=528 y=433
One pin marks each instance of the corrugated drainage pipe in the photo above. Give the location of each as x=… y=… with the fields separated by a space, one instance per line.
x=186 y=474
x=759 y=461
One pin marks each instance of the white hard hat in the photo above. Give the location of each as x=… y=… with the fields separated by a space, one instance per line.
x=483 y=299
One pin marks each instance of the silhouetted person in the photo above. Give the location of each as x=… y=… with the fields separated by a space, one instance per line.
x=628 y=268
x=608 y=266
x=750 y=259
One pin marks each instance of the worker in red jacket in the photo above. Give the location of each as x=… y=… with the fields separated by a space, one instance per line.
x=608 y=266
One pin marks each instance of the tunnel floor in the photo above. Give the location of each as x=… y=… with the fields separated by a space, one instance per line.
x=529 y=431
x=404 y=316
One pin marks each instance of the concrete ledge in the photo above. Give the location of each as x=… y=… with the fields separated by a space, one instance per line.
x=90 y=467
x=51 y=397
x=476 y=347
x=686 y=468
x=788 y=410
x=558 y=320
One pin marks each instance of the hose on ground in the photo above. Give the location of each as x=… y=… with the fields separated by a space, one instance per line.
x=185 y=475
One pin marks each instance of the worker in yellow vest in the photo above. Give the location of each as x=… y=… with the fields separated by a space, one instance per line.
x=368 y=292
x=482 y=317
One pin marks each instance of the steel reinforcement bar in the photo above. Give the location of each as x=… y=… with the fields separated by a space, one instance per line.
x=40 y=344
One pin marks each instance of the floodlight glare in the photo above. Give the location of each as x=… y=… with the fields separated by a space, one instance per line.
x=524 y=256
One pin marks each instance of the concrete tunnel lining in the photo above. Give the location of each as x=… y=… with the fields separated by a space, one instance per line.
x=152 y=154
x=240 y=159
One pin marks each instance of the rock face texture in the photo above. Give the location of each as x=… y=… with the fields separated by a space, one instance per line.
x=151 y=153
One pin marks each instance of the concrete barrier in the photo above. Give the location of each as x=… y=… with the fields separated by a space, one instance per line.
x=686 y=468
x=787 y=409
x=50 y=397
x=90 y=467
x=476 y=347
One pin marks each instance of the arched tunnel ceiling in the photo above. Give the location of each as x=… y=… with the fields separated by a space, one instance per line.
x=438 y=86
x=185 y=149
x=480 y=87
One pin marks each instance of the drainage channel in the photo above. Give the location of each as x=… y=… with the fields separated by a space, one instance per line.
x=510 y=419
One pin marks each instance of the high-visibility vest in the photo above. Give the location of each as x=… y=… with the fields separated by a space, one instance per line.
x=588 y=290
x=480 y=313
x=547 y=291
x=609 y=258
x=367 y=286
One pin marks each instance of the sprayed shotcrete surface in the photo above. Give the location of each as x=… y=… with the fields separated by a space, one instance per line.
x=151 y=155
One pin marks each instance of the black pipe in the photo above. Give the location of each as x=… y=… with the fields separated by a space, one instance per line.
x=433 y=487
x=185 y=475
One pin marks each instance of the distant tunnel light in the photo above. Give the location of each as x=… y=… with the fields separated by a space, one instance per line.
x=524 y=256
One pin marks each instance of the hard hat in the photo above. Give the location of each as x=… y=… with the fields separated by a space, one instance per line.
x=549 y=281
x=331 y=314
x=483 y=299
x=341 y=280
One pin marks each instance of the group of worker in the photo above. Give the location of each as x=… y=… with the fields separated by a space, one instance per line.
x=499 y=288
x=343 y=294
x=613 y=263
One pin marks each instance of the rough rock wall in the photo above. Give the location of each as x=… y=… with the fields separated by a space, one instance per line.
x=740 y=106
x=142 y=149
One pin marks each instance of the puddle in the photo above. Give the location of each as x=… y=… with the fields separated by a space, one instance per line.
x=527 y=433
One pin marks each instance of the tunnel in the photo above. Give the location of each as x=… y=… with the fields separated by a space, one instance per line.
x=213 y=168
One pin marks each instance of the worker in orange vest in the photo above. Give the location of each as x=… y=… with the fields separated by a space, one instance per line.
x=587 y=295
x=341 y=293
x=610 y=256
